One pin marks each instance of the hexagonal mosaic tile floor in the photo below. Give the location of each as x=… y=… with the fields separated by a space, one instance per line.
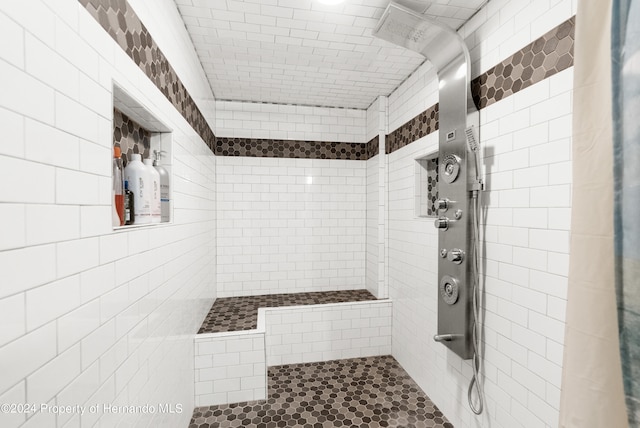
x=359 y=392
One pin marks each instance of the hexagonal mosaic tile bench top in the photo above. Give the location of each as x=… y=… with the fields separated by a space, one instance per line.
x=241 y=313
x=360 y=392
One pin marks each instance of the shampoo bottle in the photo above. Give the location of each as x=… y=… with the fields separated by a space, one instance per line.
x=129 y=205
x=154 y=188
x=165 y=188
x=137 y=176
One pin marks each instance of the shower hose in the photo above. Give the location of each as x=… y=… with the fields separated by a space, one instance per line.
x=476 y=382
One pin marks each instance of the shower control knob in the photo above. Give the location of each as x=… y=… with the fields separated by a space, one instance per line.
x=441 y=223
x=442 y=204
x=455 y=256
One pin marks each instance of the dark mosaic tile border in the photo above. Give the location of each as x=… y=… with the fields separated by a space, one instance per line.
x=130 y=136
x=360 y=392
x=123 y=25
x=423 y=124
x=241 y=313
x=373 y=147
x=260 y=147
x=544 y=57
x=432 y=186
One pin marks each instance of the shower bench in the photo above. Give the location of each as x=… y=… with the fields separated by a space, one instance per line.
x=242 y=336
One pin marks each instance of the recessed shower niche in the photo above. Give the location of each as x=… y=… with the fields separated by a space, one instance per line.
x=426 y=185
x=137 y=131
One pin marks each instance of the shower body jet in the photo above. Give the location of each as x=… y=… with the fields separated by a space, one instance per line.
x=459 y=171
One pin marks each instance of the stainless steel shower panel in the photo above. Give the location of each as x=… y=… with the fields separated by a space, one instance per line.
x=456 y=113
x=446 y=50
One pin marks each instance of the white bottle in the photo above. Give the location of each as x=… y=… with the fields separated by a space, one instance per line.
x=139 y=183
x=165 y=189
x=154 y=187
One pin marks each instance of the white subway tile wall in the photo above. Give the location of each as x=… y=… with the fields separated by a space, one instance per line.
x=415 y=95
x=376 y=201
x=373 y=120
x=372 y=225
x=92 y=316
x=290 y=225
x=373 y=164
x=526 y=140
x=327 y=332
x=289 y=122
x=229 y=368
x=413 y=264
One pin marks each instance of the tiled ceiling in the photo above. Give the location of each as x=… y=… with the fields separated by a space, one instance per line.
x=304 y=52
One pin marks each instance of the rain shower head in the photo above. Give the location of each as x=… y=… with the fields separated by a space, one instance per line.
x=405 y=27
x=402 y=26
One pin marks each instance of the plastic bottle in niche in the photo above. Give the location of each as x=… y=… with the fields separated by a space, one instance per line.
x=165 y=188
x=118 y=191
x=154 y=188
x=129 y=205
x=115 y=219
x=139 y=182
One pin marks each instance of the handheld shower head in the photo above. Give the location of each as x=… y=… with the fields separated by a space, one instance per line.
x=472 y=142
x=474 y=148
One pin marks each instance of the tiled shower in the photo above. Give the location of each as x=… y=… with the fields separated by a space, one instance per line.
x=294 y=247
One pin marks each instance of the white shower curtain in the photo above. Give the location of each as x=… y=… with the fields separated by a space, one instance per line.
x=592 y=392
